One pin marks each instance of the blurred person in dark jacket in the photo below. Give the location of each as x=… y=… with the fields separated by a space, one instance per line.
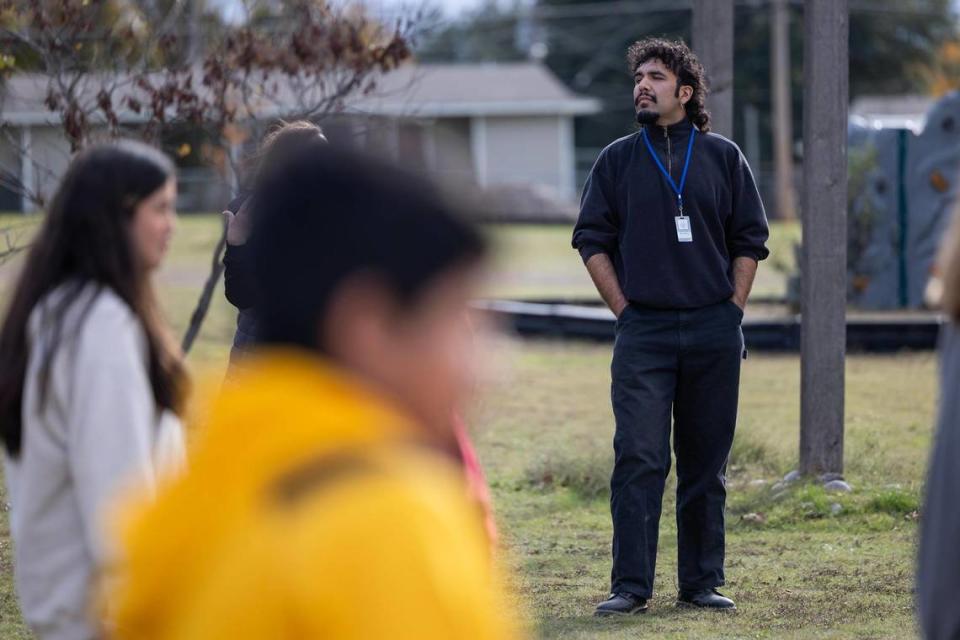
x=238 y=279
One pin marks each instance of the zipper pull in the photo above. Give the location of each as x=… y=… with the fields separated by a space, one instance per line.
x=666 y=134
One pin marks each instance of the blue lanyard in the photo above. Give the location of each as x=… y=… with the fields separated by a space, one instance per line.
x=663 y=170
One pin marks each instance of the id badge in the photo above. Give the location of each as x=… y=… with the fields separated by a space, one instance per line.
x=684 y=232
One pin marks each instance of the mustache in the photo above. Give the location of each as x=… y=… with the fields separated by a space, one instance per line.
x=649 y=96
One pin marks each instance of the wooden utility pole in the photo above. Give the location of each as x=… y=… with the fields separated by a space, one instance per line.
x=782 y=109
x=824 y=260
x=713 y=43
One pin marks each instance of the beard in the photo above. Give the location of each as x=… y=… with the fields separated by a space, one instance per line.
x=645 y=117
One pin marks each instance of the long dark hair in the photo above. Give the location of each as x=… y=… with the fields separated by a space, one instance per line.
x=85 y=240
x=676 y=56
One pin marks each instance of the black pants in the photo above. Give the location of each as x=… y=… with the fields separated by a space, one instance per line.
x=686 y=362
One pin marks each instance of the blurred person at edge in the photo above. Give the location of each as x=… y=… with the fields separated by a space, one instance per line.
x=240 y=286
x=238 y=280
x=325 y=496
x=89 y=379
x=938 y=574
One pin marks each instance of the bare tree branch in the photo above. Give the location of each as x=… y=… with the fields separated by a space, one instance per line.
x=206 y=295
x=303 y=59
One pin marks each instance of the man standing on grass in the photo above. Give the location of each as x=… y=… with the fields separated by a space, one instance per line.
x=671 y=229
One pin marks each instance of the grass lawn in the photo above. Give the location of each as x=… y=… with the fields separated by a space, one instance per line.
x=798 y=565
x=796 y=568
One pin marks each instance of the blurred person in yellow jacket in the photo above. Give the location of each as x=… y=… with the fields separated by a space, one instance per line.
x=324 y=497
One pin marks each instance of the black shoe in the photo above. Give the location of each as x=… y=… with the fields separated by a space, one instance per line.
x=623 y=604
x=705 y=599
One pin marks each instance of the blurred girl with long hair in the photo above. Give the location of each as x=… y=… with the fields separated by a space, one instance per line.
x=90 y=379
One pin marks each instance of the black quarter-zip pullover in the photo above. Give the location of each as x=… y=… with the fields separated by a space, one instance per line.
x=628 y=211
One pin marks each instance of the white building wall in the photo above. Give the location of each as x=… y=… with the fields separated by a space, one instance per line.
x=486 y=151
x=527 y=150
x=10 y=165
x=449 y=154
x=51 y=156
x=36 y=156
x=567 y=158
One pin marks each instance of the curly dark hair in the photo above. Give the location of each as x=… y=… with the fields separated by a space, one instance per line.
x=677 y=57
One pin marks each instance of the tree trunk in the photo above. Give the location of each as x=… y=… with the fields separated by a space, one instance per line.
x=823 y=332
x=713 y=42
x=782 y=110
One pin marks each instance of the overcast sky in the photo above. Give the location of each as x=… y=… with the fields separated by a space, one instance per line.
x=451 y=8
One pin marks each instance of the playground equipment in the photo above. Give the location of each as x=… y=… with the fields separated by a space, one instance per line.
x=902 y=190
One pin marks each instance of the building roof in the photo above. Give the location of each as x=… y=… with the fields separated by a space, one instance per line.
x=448 y=90
x=419 y=91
